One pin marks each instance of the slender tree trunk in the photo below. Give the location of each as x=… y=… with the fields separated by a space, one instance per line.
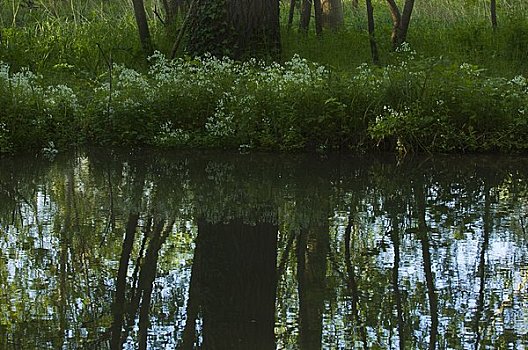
x=332 y=16
x=372 y=38
x=306 y=14
x=147 y=277
x=194 y=300
x=143 y=29
x=493 y=11
x=65 y=245
x=400 y=21
x=318 y=13
x=291 y=13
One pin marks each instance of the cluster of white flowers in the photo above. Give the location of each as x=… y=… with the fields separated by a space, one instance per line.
x=221 y=123
x=391 y=113
x=210 y=72
x=25 y=86
x=367 y=78
x=129 y=78
x=521 y=82
x=470 y=69
x=4 y=71
x=169 y=134
x=61 y=96
x=23 y=83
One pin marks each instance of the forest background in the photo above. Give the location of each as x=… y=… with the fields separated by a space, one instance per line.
x=76 y=72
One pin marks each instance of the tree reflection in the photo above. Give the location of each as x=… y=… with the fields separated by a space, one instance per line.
x=312 y=250
x=181 y=251
x=234 y=286
x=423 y=237
x=486 y=230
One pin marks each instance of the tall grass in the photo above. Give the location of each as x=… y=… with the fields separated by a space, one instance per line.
x=48 y=35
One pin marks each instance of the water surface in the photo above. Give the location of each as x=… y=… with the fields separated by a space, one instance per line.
x=110 y=250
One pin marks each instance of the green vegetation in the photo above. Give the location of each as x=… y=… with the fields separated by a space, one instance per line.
x=76 y=75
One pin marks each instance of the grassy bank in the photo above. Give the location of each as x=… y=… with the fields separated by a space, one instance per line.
x=75 y=76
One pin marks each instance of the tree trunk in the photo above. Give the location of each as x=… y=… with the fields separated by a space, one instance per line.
x=493 y=10
x=118 y=307
x=372 y=38
x=318 y=12
x=400 y=21
x=332 y=14
x=235 y=28
x=291 y=13
x=352 y=284
x=306 y=13
x=143 y=29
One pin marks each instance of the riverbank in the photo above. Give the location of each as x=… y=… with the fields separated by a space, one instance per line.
x=459 y=87
x=419 y=104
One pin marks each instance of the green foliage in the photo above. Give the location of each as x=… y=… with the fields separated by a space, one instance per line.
x=434 y=105
x=32 y=115
x=465 y=94
x=419 y=104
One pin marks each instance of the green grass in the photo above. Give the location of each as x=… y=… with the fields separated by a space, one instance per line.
x=50 y=36
x=459 y=63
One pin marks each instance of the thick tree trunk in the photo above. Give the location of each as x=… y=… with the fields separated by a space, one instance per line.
x=235 y=28
x=400 y=21
x=143 y=29
x=332 y=14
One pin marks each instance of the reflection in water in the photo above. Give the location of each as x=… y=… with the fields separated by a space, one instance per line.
x=237 y=284
x=217 y=251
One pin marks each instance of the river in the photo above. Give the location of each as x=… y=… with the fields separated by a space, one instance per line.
x=106 y=249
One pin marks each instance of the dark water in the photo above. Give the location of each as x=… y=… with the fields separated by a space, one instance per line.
x=105 y=250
